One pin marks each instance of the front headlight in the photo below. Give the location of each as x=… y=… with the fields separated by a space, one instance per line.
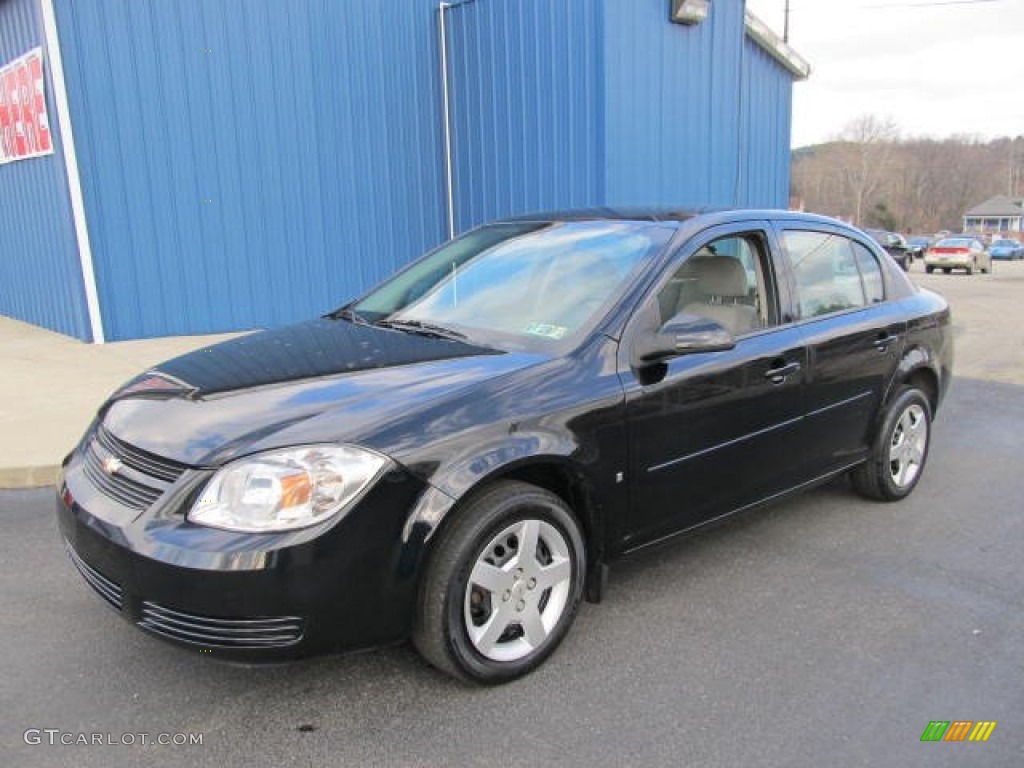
x=286 y=489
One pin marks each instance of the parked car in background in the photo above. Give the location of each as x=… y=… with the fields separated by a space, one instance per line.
x=961 y=252
x=458 y=455
x=917 y=245
x=894 y=244
x=1006 y=249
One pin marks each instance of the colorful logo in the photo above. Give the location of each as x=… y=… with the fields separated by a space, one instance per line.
x=958 y=730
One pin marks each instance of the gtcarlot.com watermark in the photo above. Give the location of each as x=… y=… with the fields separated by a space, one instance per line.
x=56 y=737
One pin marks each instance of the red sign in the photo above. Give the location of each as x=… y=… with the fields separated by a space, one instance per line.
x=24 y=124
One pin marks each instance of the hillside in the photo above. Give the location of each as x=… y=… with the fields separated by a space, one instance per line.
x=874 y=178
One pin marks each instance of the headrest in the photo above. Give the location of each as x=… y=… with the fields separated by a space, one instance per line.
x=721 y=276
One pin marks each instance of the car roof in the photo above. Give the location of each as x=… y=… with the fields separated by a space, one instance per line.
x=671 y=214
x=613 y=214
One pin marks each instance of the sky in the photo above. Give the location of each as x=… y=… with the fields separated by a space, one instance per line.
x=936 y=67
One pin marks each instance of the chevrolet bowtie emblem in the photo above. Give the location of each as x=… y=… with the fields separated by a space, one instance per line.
x=112 y=464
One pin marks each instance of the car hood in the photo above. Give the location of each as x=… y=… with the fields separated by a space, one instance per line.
x=321 y=381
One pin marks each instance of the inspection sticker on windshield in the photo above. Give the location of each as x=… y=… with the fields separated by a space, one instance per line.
x=547 y=329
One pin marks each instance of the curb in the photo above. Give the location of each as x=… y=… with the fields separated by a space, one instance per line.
x=16 y=478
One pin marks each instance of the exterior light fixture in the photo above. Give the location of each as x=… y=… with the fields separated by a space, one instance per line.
x=689 y=11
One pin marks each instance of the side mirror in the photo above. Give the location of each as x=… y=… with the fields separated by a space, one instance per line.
x=684 y=334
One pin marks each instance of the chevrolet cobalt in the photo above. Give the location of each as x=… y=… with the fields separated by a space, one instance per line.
x=459 y=455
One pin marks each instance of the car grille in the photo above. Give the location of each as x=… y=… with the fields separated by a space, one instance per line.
x=107 y=589
x=140 y=477
x=263 y=632
x=138 y=459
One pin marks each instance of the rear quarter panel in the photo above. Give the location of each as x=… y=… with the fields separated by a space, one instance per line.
x=929 y=342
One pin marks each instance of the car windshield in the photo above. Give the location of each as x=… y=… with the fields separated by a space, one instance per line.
x=1004 y=244
x=955 y=242
x=525 y=285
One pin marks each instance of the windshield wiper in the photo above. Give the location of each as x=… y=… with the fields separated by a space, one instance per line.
x=347 y=313
x=422 y=328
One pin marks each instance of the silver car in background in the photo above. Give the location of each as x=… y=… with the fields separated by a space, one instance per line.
x=963 y=252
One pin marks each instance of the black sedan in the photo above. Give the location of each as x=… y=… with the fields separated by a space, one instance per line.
x=457 y=457
x=895 y=245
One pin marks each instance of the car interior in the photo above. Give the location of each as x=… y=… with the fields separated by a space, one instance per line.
x=722 y=282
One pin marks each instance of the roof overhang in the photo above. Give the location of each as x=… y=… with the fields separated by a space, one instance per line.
x=776 y=47
x=998 y=206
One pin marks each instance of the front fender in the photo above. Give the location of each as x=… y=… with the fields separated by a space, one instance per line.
x=499 y=453
x=564 y=430
x=483 y=461
x=521 y=453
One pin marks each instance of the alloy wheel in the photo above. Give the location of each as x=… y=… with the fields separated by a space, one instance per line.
x=907 y=446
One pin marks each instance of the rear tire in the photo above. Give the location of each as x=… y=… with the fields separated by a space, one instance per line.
x=503 y=585
x=900 y=451
x=929 y=270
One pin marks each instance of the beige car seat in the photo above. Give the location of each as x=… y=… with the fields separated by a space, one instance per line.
x=722 y=284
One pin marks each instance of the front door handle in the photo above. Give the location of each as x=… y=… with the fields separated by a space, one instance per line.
x=779 y=373
x=884 y=340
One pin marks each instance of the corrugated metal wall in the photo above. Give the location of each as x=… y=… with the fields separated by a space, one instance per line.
x=248 y=164
x=766 y=115
x=526 y=100
x=40 y=276
x=251 y=163
x=559 y=103
x=689 y=115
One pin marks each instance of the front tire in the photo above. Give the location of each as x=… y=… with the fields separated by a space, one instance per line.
x=503 y=585
x=900 y=450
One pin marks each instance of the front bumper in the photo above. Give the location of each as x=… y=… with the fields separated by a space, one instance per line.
x=338 y=586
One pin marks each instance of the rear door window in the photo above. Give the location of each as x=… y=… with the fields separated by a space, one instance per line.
x=831 y=273
x=870 y=273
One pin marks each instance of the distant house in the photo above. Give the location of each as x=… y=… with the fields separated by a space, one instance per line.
x=1000 y=214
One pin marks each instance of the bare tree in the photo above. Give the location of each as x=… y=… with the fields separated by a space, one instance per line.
x=870 y=176
x=868 y=142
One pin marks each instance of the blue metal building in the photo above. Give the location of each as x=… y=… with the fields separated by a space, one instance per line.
x=227 y=164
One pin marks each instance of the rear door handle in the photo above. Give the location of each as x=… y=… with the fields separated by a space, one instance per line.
x=779 y=373
x=884 y=340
